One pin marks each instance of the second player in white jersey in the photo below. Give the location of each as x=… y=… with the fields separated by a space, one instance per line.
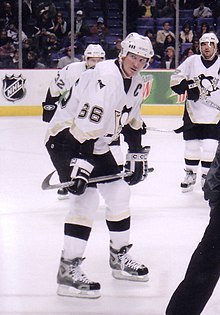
x=198 y=76
x=61 y=86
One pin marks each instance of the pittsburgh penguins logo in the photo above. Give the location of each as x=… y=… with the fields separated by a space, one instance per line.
x=101 y=85
x=208 y=83
x=13 y=87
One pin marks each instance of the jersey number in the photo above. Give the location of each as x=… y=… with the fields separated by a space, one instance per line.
x=95 y=113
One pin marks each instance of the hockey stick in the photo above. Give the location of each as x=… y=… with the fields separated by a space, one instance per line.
x=178 y=130
x=100 y=179
x=47 y=186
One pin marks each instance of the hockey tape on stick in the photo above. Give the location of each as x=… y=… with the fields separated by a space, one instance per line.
x=47 y=186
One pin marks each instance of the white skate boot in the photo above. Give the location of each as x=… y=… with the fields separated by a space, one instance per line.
x=62 y=194
x=73 y=282
x=124 y=267
x=189 y=181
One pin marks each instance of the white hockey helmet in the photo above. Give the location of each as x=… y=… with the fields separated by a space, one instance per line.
x=94 y=50
x=209 y=38
x=138 y=45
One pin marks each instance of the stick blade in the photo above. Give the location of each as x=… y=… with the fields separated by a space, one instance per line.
x=46 y=182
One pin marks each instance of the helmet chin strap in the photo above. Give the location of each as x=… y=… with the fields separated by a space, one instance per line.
x=125 y=76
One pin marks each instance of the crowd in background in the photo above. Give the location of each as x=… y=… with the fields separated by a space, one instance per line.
x=46 y=30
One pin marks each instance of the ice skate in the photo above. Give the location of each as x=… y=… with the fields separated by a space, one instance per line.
x=189 y=181
x=124 y=267
x=203 y=178
x=62 y=194
x=73 y=282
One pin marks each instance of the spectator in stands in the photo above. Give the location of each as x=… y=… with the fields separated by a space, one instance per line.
x=150 y=34
x=147 y=9
x=27 y=46
x=7 y=50
x=113 y=52
x=81 y=28
x=99 y=29
x=51 y=7
x=45 y=24
x=204 y=28
x=31 y=62
x=13 y=33
x=29 y=17
x=154 y=63
x=50 y=50
x=78 y=46
x=169 y=10
x=186 y=34
x=161 y=34
x=202 y=11
x=187 y=53
x=7 y=16
x=158 y=50
x=195 y=46
x=3 y=37
x=66 y=60
x=169 y=41
x=60 y=27
x=168 y=62
x=13 y=61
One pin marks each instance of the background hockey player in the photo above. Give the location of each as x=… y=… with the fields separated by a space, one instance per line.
x=61 y=88
x=198 y=75
x=105 y=102
x=203 y=271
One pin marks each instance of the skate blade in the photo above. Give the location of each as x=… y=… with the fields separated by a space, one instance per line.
x=62 y=197
x=64 y=290
x=122 y=275
x=187 y=189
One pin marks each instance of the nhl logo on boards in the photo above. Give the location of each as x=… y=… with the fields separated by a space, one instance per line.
x=13 y=87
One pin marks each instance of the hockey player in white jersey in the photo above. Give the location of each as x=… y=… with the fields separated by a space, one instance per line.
x=104 y=103
x=199 y=76
x=61 y=88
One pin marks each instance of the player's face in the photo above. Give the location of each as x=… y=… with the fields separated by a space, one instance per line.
x=207 y=50
x=92 y=61
x=132 y=64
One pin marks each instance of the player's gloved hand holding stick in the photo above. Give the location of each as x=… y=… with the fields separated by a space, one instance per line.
x=138 y=165
x=80 y=175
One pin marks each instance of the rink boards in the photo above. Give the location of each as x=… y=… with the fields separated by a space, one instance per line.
x=22 y=92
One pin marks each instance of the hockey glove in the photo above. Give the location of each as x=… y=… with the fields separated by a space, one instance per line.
x=80 y=175
x=192 y=91
x=137 y=164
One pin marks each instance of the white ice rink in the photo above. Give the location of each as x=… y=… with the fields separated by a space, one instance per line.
x=166 y=227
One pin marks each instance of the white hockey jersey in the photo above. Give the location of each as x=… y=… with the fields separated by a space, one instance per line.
x=99 y=106
x=201 y=111
x=66 y=78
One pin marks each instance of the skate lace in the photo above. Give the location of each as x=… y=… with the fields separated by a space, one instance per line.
x=127 y=261
x=78 y=275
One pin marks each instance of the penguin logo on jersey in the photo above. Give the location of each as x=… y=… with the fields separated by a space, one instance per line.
x=13 y=88
x=101 y=85
x=209 y=84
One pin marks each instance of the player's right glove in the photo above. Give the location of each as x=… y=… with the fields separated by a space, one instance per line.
x=80 y=175
x=192 y=90
x=138 y=165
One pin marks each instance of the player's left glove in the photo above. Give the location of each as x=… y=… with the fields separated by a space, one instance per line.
x=138 y=165
x=80 y=175
x=193 y=92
